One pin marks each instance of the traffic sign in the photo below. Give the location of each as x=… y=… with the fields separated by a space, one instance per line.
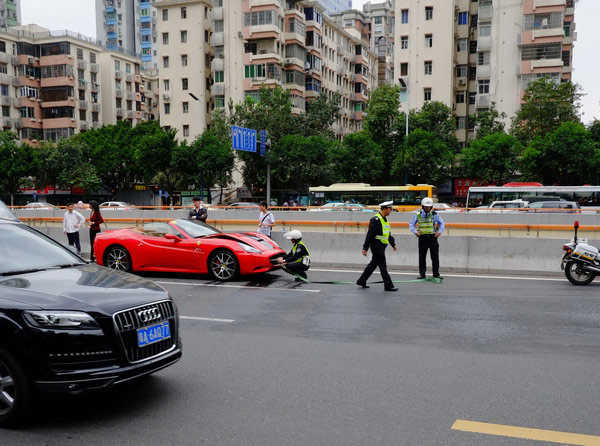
x=263 y=142
x=243 y=139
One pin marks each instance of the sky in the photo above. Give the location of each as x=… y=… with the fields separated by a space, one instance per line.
x=79 y=16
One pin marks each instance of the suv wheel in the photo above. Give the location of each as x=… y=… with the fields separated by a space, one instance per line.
x=16 y=396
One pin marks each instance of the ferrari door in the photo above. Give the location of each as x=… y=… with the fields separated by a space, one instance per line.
x=159 y=252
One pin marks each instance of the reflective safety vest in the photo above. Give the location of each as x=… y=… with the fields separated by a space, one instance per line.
x=304 y=259
x=385 y=229
x=425 y=223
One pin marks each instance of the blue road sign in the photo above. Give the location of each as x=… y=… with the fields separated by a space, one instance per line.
x=263 y=142
x=243 y=139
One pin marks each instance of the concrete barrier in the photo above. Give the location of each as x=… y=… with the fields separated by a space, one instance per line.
x=509 y=255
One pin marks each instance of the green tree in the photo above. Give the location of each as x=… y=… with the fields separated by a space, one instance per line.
x=321 y=113
x=494 y=158
x=566 y=156
x=546 y=105
x=357 y=159
x=299 y=162
x=594 y=130
x=488 y=122
x=72 y=157
x=17 y=163
x=427 y=157
x=436 y=117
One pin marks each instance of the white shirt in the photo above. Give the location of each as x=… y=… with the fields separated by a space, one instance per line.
x=71 y=219
x=269 y=219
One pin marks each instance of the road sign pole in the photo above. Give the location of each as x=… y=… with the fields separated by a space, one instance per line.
x=268 y=184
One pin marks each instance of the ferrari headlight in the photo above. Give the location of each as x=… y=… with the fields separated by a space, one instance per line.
x=61 y=320
x=248 y=248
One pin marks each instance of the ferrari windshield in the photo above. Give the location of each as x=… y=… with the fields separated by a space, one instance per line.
x=196 y=229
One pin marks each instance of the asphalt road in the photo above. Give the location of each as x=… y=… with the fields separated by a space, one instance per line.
x=274 y=362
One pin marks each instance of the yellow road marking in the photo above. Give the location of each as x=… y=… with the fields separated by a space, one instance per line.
x=526 y=433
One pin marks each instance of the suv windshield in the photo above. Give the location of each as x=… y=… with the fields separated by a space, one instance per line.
x=196 y=229
x=24 y=249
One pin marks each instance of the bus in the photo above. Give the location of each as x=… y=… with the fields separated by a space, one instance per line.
x=586 y=196
x=405 y=197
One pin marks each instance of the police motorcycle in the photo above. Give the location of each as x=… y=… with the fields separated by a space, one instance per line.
x=581 y=262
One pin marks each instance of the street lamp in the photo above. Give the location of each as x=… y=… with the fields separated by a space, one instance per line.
x=195 y=98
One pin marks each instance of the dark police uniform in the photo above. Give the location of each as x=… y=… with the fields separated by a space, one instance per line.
x=298 y=260
x=378 y=238
x=201 y=214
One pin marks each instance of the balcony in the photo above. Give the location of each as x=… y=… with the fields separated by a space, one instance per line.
x=84 y=126
x=119 y=93
x=217 y=13
x=484 y=43
x=83 y=105
x=217 y=89
x=81 y=64
x=6 y=122
x=96 y=108
x=128 y=77
x=482 y=100
x=484 y=71
x=485 y=12
x=546 y=3
x=130 y=96
x=129 y=114
x=217 y=64
x=94 y=87
x=217 y=39
x=119 y=112
x=82 y=84
x=94 y=68
x=546 y=63
x=548 y=32
x=118 y=75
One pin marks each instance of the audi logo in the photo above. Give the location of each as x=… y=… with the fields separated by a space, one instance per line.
x=149 y=315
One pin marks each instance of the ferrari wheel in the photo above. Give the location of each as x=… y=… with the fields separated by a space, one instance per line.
x=118 y=258
x=223 y=265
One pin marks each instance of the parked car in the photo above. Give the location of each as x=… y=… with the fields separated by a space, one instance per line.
x=444 y=207
x=502 y=207
x=343 y=207
x=187 y=246
x=571 y=207
x=116 y=205
x=68 y=326
x=39 y=205
x=244 y=205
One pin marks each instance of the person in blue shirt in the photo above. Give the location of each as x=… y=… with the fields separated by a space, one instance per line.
x=427 y=225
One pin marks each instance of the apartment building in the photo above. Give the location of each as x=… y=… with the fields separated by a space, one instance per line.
x=471 y=55
x=184 y=74
x=150 y=94
x=333 y=6
x=10 y=13
x=122 y=88
x=129 y=26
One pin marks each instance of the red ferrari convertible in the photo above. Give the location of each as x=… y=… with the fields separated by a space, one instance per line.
x=187 y=246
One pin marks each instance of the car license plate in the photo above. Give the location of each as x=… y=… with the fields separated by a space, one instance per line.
x=154 y=333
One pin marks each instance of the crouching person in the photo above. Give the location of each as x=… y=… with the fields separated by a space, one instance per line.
x=297 y=261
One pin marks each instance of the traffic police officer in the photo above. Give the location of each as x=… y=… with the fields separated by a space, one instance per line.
x=378 y=237
x=297 y=261
x=427 y=225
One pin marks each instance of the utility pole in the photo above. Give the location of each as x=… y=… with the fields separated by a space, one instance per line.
x=403 y=81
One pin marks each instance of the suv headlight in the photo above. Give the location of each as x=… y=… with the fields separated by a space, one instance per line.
x=61 y=320
x=248 y=248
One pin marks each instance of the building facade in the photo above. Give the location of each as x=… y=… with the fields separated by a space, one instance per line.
x=10 y=13
x=184 y=73
x=333 y=6
x=471 y=55
x=129 y=26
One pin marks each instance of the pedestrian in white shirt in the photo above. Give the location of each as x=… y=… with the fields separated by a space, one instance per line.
x=266 y=220
x=72 y=222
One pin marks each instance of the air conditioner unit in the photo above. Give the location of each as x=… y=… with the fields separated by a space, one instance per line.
x=461 y=82
x=166 y=97
x=72 y=119
x=289 y=61
x=30 y=60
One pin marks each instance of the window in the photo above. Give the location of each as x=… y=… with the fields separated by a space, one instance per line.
x=219 y=76
x=186 y=130
x=428 y=67
x=404 y=42
x=378 y=20
x=4 y=89
x=483 y=86
x=167 y=109
x=82 y=115
x=462 y=44
x=427 y=94
x=461 y=122
x=166 y=84
x=461 y=71
x=184 y=60
x=183 y=36
x=79 y=54
x=5 y=111
x=483 y=58
x=404 y=16
x=186 y=107
x=165 y=38
x=3 y=68
x=268 y=17
x=218 y=26
x=127 y=68
x=472 y=46
x=117 y=65
x=165 y=61
x=485 y=29
x=404 y=69
x=92 y=57
x=184 y=83
x=27 y=112
x=428 y=40
x=428 y=12
x=460 y=97
x=219 y=101
x=183 y=12
x=472 y=98
x=463 y=18
x=165 y=15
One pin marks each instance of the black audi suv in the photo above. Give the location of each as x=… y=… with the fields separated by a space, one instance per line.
x=70 y=326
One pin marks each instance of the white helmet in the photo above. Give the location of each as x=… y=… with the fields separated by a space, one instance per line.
x=294 y=234
x=428 y=202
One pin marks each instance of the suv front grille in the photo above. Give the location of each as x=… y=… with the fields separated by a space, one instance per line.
x=129 y=321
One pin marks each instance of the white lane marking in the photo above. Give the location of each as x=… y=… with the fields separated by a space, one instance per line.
x=465 y=276
x=207 y=319
x=294 y=290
